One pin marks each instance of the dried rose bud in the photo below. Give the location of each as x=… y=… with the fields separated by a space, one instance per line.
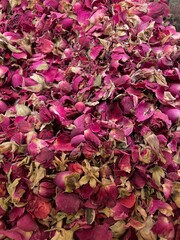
x=67 y=23
x=38 y=207
x=60 y=178
x=46 y=189
x=80 y=106
x=75 y=167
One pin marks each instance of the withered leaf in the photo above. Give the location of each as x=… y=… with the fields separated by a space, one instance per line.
x=118 y=229
x=176 y=193
x=157 y=174
x=36 y=173
x=90 y=215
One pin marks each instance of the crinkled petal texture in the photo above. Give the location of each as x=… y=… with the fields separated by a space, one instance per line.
x=144 y=111
x=99 y=232
x=68 y=203
x=89 y=120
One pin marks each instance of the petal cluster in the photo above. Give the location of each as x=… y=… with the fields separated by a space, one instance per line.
x=89 y=120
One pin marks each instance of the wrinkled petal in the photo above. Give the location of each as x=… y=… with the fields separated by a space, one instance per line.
x=67 y=202
x=144 y=111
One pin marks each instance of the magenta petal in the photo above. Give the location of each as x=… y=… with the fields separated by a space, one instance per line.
x=99 y=14
x=24 y=126
x=75 y=141
x=127 y=126
x=88 y=151
x=176 y=136
x=125 y=164
x=65 y=86
x=114 y=112
x=164 y=228
x=90 y=136
x=144 y=111
x=12 y=234
x=167 y=188
x=45 y=115
x=89 y=120
x=3 y=107
x=129 y=201
x=63 y=143
x=80 y=121
x=174 y=88
x=76 y=83
x=17 y=138
x=99 y=232
x=4 y=4
x=95 y=51
x=29 y=82
x=3 y=70
x=157 y=9
x=77 y=131
x=51 y=74
x=51 y=3
x=17 y=80
x=16 y=213
x=119 y=212
x=45 y=157
x=67 y=202
x=83 y=234
x=21 y=55
x=58 y=110
x=26 y=223
x=83 y=16
x=127 y=104
x=107 y=196
x=117 y=134
x=45 y=45
x=139 y=180
x=46 y=189
x=173 y=113
x=36 y=145
x=158 y=204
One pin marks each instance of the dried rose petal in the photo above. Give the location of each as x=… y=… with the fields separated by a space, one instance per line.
x=89 y=120
x=63 y=143
x=45 y=45
x=46 y=189
x=144 y=111
x=67 y=202
x=164 y=228
x=99 y=232
x=3 y=70
x=26 y=223
x=91 y=137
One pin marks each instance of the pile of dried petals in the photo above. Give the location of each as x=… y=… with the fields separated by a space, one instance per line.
x=89 y=114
